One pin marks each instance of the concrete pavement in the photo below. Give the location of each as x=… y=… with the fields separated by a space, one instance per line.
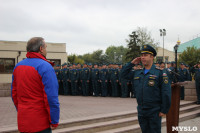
x=74 y=107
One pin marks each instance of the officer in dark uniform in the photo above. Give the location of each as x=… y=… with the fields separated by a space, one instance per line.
x=65 y=77
x=189 y=72
x=103 y=77
x=196 y=71
x=74 y=76
x=90 y=80
x=79 y=84
x=184 y=76
x=110 y=68
x=153 y=91
x=162 y=65
x=95 y=80
x=130 y=84
x=114 y=77
x=60 y=80
x=124 y=86
x=85 y=79
x=168 y=64
x=69 y=80
x=157 y=64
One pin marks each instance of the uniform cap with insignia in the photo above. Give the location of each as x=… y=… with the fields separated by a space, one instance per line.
x=148 y=50
x=162 y=62
x=173 y=62
x=64 y=64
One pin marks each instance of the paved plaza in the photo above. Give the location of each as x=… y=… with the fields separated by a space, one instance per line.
x=73 y=107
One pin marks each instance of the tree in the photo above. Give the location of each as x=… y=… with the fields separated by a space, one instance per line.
x=95 y=57
x=136 y=40
x=190 y=56
x=116 y=54
x=75 y=59
x=145 y=37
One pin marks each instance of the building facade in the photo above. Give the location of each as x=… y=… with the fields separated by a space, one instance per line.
x=168 y=55
x=12 y=52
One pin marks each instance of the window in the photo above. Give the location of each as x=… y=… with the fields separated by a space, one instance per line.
x=56 y=61
x=7 y=65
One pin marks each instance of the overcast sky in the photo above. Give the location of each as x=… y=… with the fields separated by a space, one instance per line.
x=88 y=25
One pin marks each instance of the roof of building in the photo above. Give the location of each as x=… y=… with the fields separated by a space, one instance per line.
x=195 y=42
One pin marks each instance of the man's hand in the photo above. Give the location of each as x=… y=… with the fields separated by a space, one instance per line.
x=136 y=60
x=52 y=128
x=161 y=114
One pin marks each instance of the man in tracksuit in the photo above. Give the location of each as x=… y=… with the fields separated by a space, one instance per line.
x=34 y=90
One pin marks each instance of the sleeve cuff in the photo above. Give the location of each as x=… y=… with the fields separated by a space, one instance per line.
x=54 y=125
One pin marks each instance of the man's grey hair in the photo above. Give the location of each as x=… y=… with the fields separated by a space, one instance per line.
x=34 y=44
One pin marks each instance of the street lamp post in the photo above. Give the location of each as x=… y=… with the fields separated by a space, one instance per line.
x=176 y=49
x=163 y=33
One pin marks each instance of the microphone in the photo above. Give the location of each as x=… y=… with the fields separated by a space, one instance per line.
x=169 y=70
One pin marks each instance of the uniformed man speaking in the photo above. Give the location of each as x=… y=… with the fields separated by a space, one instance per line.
x=153 y=91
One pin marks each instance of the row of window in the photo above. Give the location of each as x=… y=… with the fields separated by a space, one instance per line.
x=7 y=64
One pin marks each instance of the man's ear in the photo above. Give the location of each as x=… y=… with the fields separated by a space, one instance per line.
x=41 y=49
x=152 y=56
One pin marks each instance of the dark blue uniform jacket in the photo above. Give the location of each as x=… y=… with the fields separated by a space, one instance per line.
x=152 y=89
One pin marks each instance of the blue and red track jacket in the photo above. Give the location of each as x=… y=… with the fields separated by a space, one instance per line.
x=34 y=91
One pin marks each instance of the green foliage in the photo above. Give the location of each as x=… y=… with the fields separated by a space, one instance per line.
x=135 y=42
x=190 y=56
x=75 y=59
x=116 y=54
x=95 y=57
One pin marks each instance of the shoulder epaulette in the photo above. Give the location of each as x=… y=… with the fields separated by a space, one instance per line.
x=158 y=68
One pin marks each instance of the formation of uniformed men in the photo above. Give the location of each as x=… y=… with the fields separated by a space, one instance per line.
x=105 y=80
x=93 y=80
